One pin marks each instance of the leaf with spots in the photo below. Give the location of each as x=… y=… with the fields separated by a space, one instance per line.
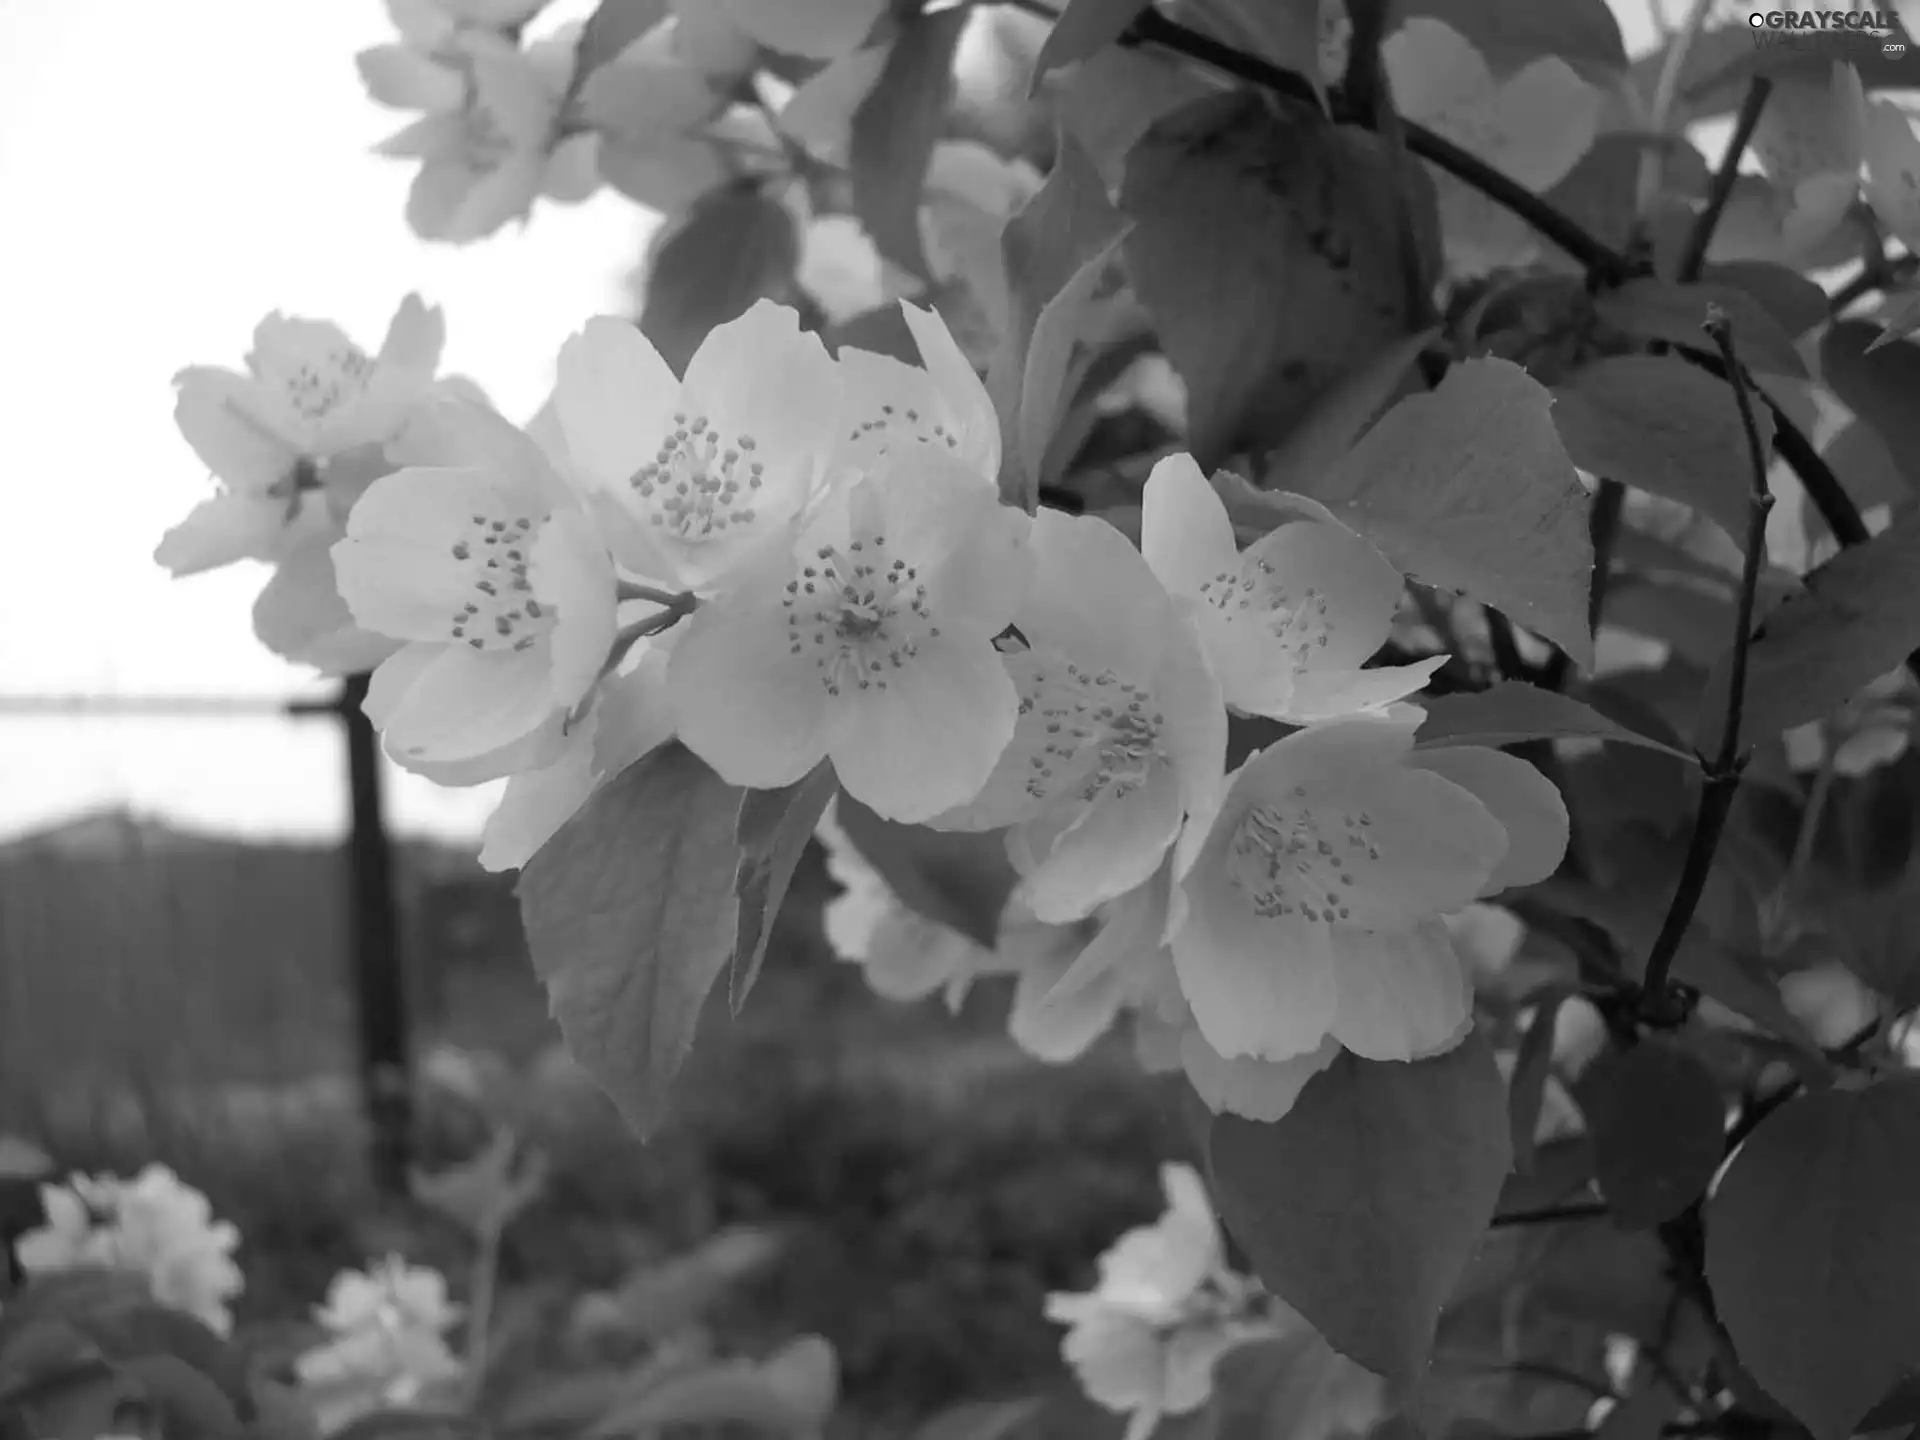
x=630 y=916
x=1812 y=1252
x=1469 y=488
x=1266 y=246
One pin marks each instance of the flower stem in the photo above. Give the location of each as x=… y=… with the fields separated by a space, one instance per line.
x=1551 y=1214
x=1722 y=772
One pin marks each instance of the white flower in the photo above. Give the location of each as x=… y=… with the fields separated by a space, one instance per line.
x=1288 y=623
x=428 y=23
x=870 y=641
x=1810 y=141
x=494 y=575
x=298 y=423
x=387 y=1345
x=1144 y=1340
x=1533 y=126
x=491 y=140
x=1310 y=902
x=1121 y=731
x=626 y=717
x=700 y=475
x=818 y=29
x=152 y=1225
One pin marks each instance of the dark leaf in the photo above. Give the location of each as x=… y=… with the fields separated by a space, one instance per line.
x=1812 y=1252
x=1641 y=1416
x=1878 y=387
x=961 y=880
x=630 y=916
x=1426 y=1143
x=734 y=247
x=895 y=129
x=1661 y=425
x=1514 y=711
x=1242 y=214
x=773 y=830
x=1600 y=191
x=1794 y=301
x=1658 y=1126
x=613 y=26
x=1468 y=488
x=1526 y=1090
x=1084 y=26
x=1652 y=309
x=1342 y=414
x=980 y=1420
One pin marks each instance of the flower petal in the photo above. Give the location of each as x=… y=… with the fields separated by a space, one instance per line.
x=1256 y=1089
x=404 y=78
x=1402 y=994
x=222 y=530
x=741 y=700
x=535 y=805
x=1328 y=594
x=220 y=415
x=1185 y=533
x=1525 y=802
x=571 y=571
x=967 y=401
x=1093 y=597
x=818 y=29
x=300 y=616
x=929 y=738
x=1104 y=850
x=1327 y=694
x=615 y=398
x=467 y=702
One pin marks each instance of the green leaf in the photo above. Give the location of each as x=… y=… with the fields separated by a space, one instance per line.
x=1599 y=192
x=1584 y=33
x=1878 y=385
x=1084 y=27
x=613 y=26
x=1342 y=414
x=790 y=1393
x=1661 y=425
x=1813 y=1255
x=1527 y=1088
x=1641 y=1416
x=1057 y=248
x=734 y=247
x=1513 y=711
x=1422 y=1147
x=895 y=130
x=1794 y=301
x=1285 y=33
x=773 y=829
x=1858 y=618
x=980 y=1420
x=1292 y=1386
x=960 y=880
x=1468 y=488
x=485 y=1192
x=1659 y=1130
x=1652 y=309
x=630 y=914
x=660 y=1301
x=1242 y=214
x=186 y=1403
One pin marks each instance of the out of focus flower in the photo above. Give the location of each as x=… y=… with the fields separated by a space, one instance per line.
x=152 y=1225
x=818 y=29
x=491 y=139
x=1893 y=170
x=386 y=1345
x=296 y=435
x=1811 y=140
x=1143 y=1342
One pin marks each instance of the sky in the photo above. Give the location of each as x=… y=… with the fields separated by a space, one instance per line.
x=172 y=173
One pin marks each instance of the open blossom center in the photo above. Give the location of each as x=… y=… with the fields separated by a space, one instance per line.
x=1290 y=858
x=903 y=422
x=1254 y=594
x=700 y=483
x=321 y=381
x=1098 y=734
x=500 y=611
x=861 y=612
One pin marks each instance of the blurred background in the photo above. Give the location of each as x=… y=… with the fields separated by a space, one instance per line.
x=178 y=938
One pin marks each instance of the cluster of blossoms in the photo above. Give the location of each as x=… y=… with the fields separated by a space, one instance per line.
x=152 y=1225
x=386 y=1347
x=785 y=557
x=1144 y=1341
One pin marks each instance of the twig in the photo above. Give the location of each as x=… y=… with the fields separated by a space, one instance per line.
x=1653 y=160
x=1551 y=1214
x=1872 y=277
x=1721 y=773
x=1700 y=237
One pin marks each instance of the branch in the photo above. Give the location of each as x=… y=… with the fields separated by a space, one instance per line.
x=1551 y=1214
x=1722 y=773
x=1700 y=237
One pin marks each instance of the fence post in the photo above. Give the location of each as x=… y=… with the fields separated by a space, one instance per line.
x=379 y=974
